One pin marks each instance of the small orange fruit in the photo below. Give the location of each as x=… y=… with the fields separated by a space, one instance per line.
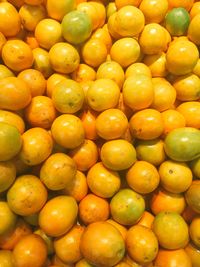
x=54 y=79
x=42 y=62
x=146 y=219
x=193 y=33
x=191 y=112
x=9 y=218
x=12 y=119
x=8 y=175
x=156 y=64
x=57 y=10
x=84 y=73
x=88 y=118
x=194 y=231
x=137 y=68
x=194 y=254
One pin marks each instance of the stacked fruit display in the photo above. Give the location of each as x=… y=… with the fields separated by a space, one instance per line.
x=99 y=133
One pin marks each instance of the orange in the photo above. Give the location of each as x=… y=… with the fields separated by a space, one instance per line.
x=68 y=96
x=88 y=118
x=172 y=119
x=111 y=70
x=153 y=39
x=8 y=175
x=91 y=11
x=6 y=258
x=151 y=151
x=67 y=247
x=9 y=218
x=194 y=165
x=94 y=52
x=5 y=72
x=102 y=244
x=63 y=57
x=42 y=62
x=93 y=209
x=84 y=73
x=121 y=3
x=194 y=231
x=138 y=91
x=165 y=225
x=125 y=51
x=129 y=21
x=146 y=220
x=156 y=64
x=104 y=35
x=163 y=200
x=48 y=32
x=103 y=94
x=10 y=141
x=19 y=198
x=31 y=249
x=181 y=57
x=176 y=177
x=58 y=215
x=194 y=254
x=137 y=68
x=192 y=196
x=122 y=229
x=12 y=119
x=57 y=10
x=54 y=79
x=57 y=171
x=146 y=124
x=169 y=258
x=112 y=26
x=102 y=181
x=196 y=69
x=110 y=9
x=40 y=112
x=187 y=87
x=143 y=177
x=154 y=11
x=187 y=4
x=191 y=112
x=77 y=188
x=127 y=207
x=142 y=244
x=31 y=16
x=67 y=131
x=17 y=55
x=101 y=11
x=164 y=94
x=37 y=146
x=111 y=124
x=35 y=81
x=118 y=154
x=48 y=240
x=85 y=156
x=195 y=10
x=58 y=263
x=10 y=23
x=11 y=238
x=2 y=41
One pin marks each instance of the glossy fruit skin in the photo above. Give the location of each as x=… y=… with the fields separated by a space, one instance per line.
x=8 y=175
x=192 y=196
x=76 y=27
x=6 y=258
x=58 y=215
x=127 y=207
x=183 y=140
x=98 y=233
x=10 y=141
x=194 y=254
x=57 y=10
x=19 y=198
x=8 y=217
x=193 y=34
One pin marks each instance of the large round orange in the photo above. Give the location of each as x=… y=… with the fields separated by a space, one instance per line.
x=57 y=171
x=138 y=92
x=191 y=112
x=194 y=254
x=32 y=250
x=67 y=247
x=176 y=177
x=15 y=94
x=35 y=81
x=118 y=154
x=143 y=177
x=142 y=244
x=68 y=131
x=163 y=200
x=85 y=156
x=17 y=55
x=19 y=198
x=102 y=181
x=170 y=258
x=137 y=68
x=58 y=215
x=12 y=119
x=54 y=79
x=104 y=35
x=58 y=9
x=165 y=225
x=9 y=218
x=40 y=112
x=42 y=62
x=102 y=244
x=146 y=124
x=37 y=146
x=122 y=229
x=10 y=23
x=93 y=209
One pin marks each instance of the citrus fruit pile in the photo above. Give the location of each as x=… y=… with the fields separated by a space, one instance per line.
x=99 y=133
